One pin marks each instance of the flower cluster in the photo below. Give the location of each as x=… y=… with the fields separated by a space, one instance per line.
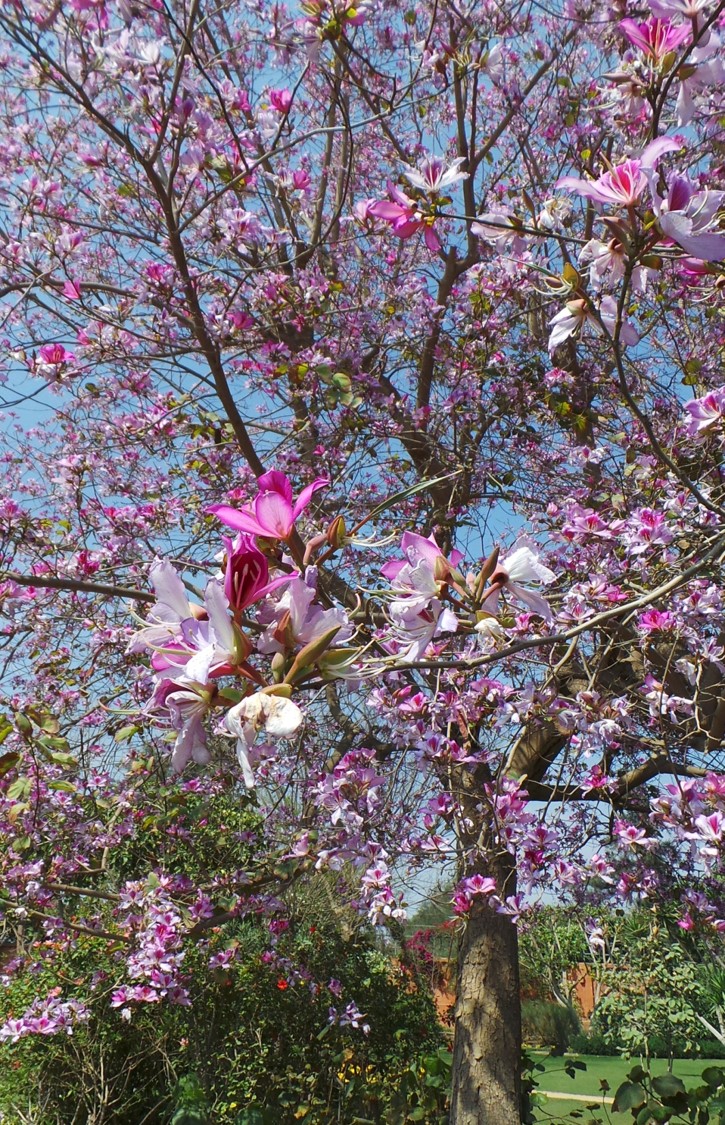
x=45 y=1017
x=193 y=647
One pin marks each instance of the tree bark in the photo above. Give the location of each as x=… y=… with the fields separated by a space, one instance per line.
x=487 y=1043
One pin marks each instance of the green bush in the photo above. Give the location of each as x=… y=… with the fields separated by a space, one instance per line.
x=592 y=1043
x=257 y=1035
x=710 y=1049
x=257 y=1042
x=546 y=1024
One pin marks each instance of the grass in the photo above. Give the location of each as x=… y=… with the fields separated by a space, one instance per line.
x=586 y=1082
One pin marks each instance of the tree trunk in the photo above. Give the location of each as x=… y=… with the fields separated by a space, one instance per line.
x=487 y=1037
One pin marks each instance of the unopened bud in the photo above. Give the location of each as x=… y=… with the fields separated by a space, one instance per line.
x=487 y=570
x=337 y=532
x=441 y=568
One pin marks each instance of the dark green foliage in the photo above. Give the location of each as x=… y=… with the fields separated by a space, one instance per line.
x=666 y=1098
x=592 y=1044
x=546 y=1024
x=255 y=1038
x=257 y=1043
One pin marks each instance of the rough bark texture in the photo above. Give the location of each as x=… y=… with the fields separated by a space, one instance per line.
x=487 y=1046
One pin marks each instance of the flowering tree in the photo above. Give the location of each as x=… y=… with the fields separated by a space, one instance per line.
x=370 y=359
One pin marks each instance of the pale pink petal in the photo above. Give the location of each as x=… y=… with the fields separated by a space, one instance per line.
x=657 y=148
x=170 y=591
x=274 y=514
x=532 y=600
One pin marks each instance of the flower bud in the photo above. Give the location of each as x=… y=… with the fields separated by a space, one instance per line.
x=337 y=532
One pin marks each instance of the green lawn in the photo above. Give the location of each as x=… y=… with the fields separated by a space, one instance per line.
x=586 y=1082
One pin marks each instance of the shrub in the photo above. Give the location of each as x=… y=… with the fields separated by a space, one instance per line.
x=260 y=1034
x=592 y=1043
x=546 y=1024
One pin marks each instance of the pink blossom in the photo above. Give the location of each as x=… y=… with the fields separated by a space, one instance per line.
x=688 y=8
x=301 y=180
x=419 y=550
x=631 y=836
x=51 y=357
x=578 y=314
x=166 y=615
x=623 y=184
x=281 y=100
x=691 y=218
x=655 y=38
x=433 y=174
x=711 y=827
x=522 y=565
x=274 y=511
x=246 y=577
x=363 y=210
x=295 y=618
x=187 y=704
x=645 y=528
x=654 y=621
x=405 y=217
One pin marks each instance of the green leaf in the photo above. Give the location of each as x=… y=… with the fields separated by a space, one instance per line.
x=256 y=1115
x=61 y=759
x=20 y=788
x=630 y=1095
x=398 y=497
x=7 y=761
x=125 y=733
x=714 y=1076
x=653 y=1112
x=666 y=1085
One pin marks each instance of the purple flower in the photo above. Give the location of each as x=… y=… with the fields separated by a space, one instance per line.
x=274 y=512
x=623 y=184
x=705 y=412
x=655 y=38
x=246 y=577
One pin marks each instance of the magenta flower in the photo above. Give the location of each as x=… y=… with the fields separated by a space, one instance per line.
x=705 y=412
x=656 y=621
x=274 y=512
x=622 y=185
x=281 y=100
x=433 y=174
x=246 y=577
x=417 y=549
x=50 y=358
x=691 y=219
x=655 y=38
x=405 y=217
